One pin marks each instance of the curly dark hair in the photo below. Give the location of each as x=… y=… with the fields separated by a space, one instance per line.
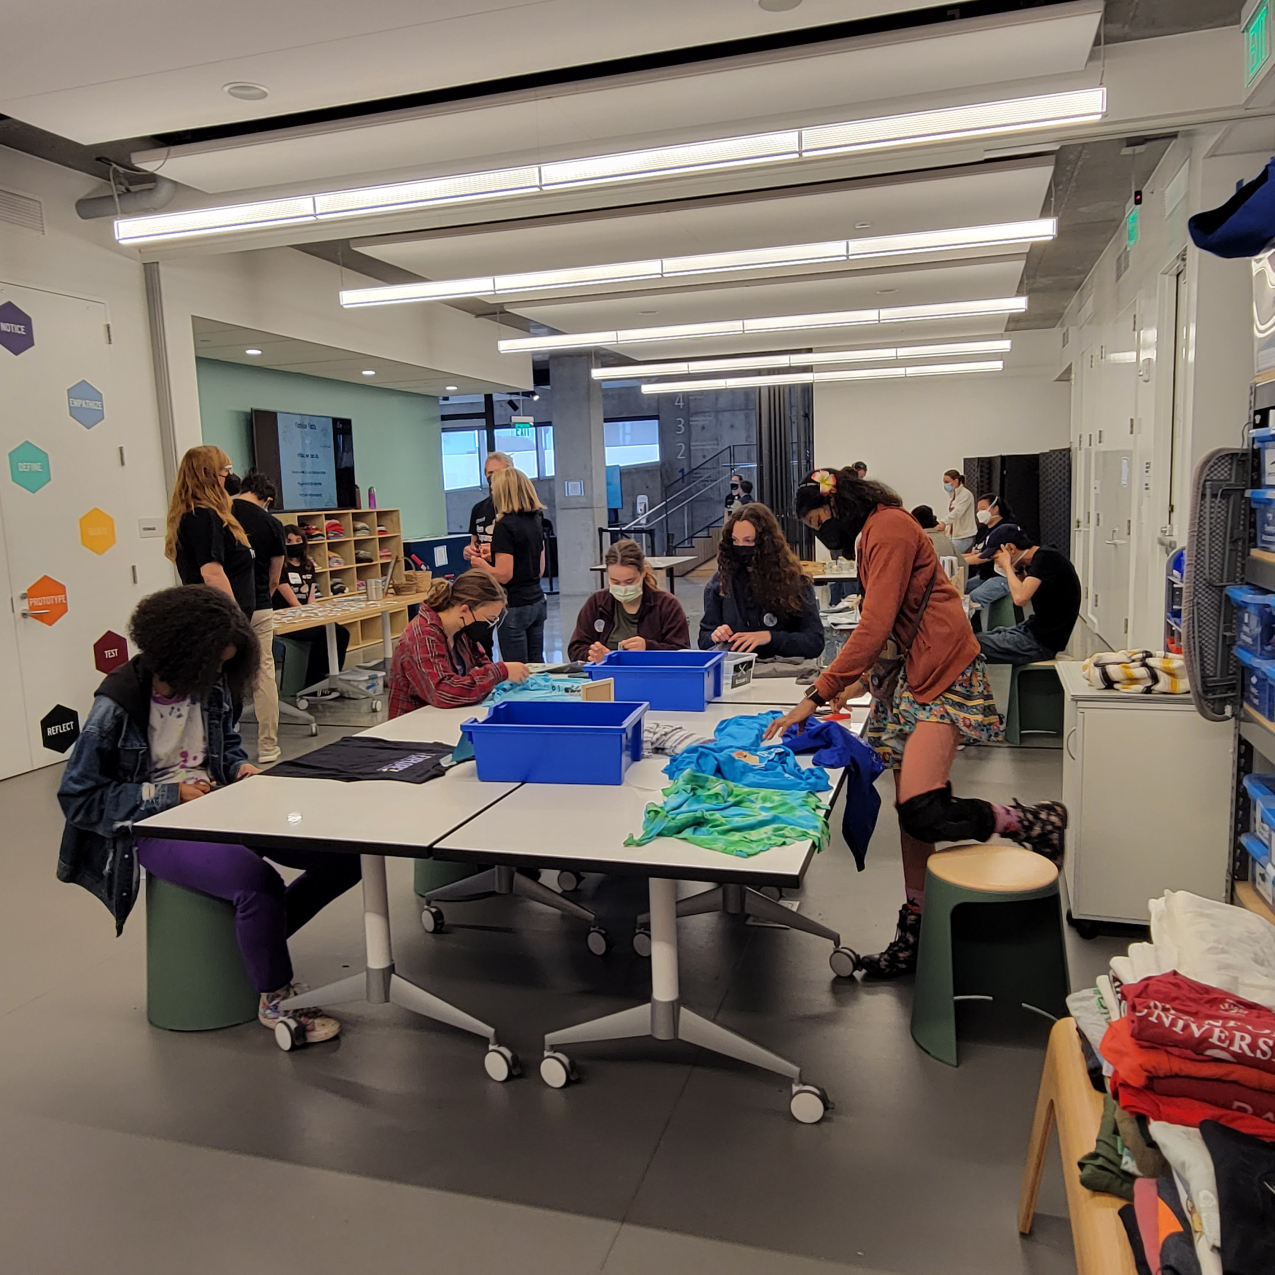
x=182 y=632
x=774 y=573
x=848 y=497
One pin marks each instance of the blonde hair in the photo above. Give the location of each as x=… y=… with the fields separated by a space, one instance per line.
x=198 y=486
x=471 y=589
x=504 y=457
x=512 y=493
x=628 y=553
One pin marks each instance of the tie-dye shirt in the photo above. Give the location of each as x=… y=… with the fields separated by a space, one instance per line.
x=178 y=740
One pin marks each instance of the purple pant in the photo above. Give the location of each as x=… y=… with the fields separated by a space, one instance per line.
x=266 y=911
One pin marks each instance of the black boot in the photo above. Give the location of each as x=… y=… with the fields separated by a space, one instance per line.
x=1042 y=828
x=900 y=957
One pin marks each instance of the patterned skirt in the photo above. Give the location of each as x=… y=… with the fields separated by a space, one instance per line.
x=967 y=704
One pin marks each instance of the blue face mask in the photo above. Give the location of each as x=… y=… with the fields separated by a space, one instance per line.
x=948 y=487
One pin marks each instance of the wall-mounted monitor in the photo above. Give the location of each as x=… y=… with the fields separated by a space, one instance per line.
x=310 y=459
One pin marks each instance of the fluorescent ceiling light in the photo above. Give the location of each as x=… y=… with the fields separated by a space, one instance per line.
x=807 y=378
x=681 y=331
x=828 y=319
x=955 y=347
x=1016 y=232
x=756 y=258
x=953 y=369
x=422 y=194
x=252 y=353
x=215 y=221
x=576 y=276
x=404 y=293
x=451 y=389
x=953 y=310
x=367 y=371
x=725 y=152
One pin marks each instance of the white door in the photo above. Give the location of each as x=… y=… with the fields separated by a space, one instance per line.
x=64 y=505
x=1113 y=515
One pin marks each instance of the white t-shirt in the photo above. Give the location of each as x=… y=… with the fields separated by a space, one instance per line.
x=962 y=521
x=178 y=740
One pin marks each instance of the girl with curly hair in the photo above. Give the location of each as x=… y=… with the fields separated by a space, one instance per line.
x=161 y=732
x=941 y=698
x=760 y=599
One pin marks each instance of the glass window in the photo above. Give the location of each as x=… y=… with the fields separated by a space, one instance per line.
x=632 y=442
x=546 y=450
x=464 y=451
x=520 y=444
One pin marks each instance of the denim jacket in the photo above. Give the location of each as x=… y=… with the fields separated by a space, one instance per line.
x=106 y=786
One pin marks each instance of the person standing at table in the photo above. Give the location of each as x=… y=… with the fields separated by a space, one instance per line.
x=961 y=523
x=204 y=538
x=631 y=614
x=296 y=589
x=759 y=599
x=482 y=517
x=518 y=562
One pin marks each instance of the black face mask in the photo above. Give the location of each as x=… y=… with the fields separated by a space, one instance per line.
x=831 y=533
x=743 y=554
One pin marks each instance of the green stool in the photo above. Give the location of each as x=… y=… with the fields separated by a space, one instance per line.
x=195 y=977
x=1036 y=702
x=992 y=927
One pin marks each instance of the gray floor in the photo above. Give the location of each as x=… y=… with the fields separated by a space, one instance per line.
x=128 y=1149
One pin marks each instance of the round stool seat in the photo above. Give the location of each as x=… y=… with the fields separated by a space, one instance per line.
x=993 y=869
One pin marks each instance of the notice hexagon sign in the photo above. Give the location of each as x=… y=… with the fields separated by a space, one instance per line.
x=110 y=651
x=97 y=530
x=46 y=600
x=29 y=466
x=85 y=404
x=60 y=728
x=16 y=333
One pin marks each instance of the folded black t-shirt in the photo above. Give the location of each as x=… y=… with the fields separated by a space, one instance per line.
x=366 y=757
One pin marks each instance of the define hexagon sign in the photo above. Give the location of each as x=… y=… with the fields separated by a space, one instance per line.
x=97 y=530
x=46 y=600
x=29 y=466
x=85 y=404
x=110 y=651
x=16 y=333
x=60 y=728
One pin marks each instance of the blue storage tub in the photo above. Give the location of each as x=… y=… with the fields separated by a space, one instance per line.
x=1264 y=442
x=669 y=681
x=1263 y=502
x=1257 y=849
x=1254 y=619
x=557 y=741
x=1259 y=689
x=1261 y=794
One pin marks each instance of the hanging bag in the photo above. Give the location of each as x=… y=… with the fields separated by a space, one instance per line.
x=883 y=679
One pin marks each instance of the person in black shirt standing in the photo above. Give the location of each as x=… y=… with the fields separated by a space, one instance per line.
x=1046 y=579
x=265 y=535
x=518 y=562
x=482 y=523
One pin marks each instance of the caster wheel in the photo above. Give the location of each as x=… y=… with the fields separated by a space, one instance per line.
x=377 y=705
x=568 y=881
x=642 y=942
x=432 y=919
x=314 y=729
x=598 y=941
x=501 y=1063
x=303 y=704
x=557 y=1070
x=289 y=1034
x=809 y=1104
x=844 y=961
x=1086 y=929
x=772 y=892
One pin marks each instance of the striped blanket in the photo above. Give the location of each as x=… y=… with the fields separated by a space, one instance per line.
x=1137 y=672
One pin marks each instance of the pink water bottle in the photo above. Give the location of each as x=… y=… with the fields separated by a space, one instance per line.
x=371 y=497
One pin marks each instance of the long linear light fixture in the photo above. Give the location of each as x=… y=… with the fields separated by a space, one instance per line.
x=815 y=378
x=636 y=371
x=919 y=128
x=927 y=241
x=749 y=327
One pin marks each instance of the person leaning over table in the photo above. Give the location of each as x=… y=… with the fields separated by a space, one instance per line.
x=631 y=614
x=441 y=659
x=759 y=599
x=942 y=696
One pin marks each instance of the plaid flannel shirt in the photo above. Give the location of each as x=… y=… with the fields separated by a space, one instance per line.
x=422 y=671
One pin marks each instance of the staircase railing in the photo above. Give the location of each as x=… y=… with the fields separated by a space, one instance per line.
x=695 y=502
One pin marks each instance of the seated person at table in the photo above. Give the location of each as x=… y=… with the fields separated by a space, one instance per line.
x=632 y=614
x=942 y=542
x=296 y=589
x=441 y=658
x=1045 y=578
x=760 y=599
x=995 y=522
x=161 y=732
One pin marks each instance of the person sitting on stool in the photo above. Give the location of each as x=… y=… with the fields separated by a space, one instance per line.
x=982 y=583
x=1046 y=579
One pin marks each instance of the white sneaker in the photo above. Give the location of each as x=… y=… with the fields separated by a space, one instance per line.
x=266 y=756
x=319 y=1026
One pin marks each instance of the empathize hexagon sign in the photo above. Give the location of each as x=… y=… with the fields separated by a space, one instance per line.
x=46 y=600
x=29 y=466
x=85 y=404
x=60 y=728
x=110 y=651
x=97 y=530
x=16 y=332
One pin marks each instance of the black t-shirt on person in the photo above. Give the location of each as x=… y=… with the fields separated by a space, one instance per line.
x=265 y=535
x=1056 y=603
x=522 y=537
x=299 y=577
x=482 y=518
x=202 y=538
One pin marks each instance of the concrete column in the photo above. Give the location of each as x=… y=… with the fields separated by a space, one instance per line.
x=579 y=479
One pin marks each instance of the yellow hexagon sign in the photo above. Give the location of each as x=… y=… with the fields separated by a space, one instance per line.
x=97 y=530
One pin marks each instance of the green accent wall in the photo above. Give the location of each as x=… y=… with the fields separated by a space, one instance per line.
x=397 y=448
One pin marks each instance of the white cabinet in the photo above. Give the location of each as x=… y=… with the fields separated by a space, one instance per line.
x=1147 y=784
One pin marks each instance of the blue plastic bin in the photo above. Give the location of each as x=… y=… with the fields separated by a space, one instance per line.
x=670 y=681
x=1263 y=501
x=1264 y=442
x=1259 y=689
x=1254 y=619
x=1258 y=850
x=557 y=742
x=1261 y=793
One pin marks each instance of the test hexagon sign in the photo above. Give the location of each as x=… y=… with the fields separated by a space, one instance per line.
x=110 y=651
x=97 y=530
x=29 y=466
x=85 y=404
x=60 y=728
x=46 y=600
x=16 y=332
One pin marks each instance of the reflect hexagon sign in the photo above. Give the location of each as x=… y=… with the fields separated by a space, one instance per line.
x=46 y=600
x=85 y=404
x=97 y=530
x=60 y=728
x=29 y=466
x=16 y=333
x=110 y=651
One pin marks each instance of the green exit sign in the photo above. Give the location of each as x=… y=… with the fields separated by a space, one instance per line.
x=1131 y=226
x=523 y=426
x=1257 y=42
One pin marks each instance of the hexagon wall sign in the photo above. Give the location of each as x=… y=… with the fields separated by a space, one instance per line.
x=16 y=331
x=46 y=600
x=97 y=530
x=85 y=404
x=29 y=466
x=60 y=728
x=109 y=652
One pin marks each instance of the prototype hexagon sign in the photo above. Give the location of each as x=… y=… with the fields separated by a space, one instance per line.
x=46 y=600
x=110 y=651
x=29 y=466
x=85 y=404
x=16 y=332
x=97 y=530
x=60 y=728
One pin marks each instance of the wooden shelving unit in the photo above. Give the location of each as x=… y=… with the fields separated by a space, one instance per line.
x=1247 y=897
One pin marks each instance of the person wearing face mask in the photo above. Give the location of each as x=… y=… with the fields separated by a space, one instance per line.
x=296 y=588
x=631 y=614
x=961 y=523
x=440 y=658
x=942 y=696
x=759 y=599
x=1046 y=579
x=996 y=527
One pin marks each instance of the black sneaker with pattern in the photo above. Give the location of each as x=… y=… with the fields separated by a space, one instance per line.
x=900 y=957
x=1043 y=828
